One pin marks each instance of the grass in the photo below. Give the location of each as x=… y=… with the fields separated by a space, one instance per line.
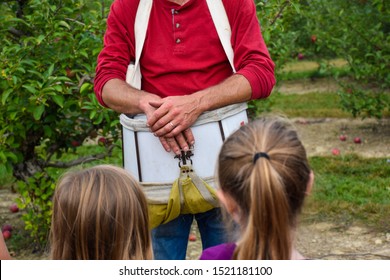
x=351 y=189
x=310 y=105
x=313 y=69
x=5 y=177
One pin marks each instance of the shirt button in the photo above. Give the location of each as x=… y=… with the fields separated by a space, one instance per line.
x=178 y=41
x=177 y=25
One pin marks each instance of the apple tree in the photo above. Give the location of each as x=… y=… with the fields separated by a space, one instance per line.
x=358 y=32
x=275 y=17
x=47 y=104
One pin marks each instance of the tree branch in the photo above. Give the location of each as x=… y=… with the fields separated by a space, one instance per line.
x=15 y=32
x=75 y=21
x=84 y=78
x=81 y=160
x=285 y=4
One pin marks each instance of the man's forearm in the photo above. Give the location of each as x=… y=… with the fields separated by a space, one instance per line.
x=235 y=89
x=122 y=98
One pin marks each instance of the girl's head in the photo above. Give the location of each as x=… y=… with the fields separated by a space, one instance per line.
x=99 y=213
x=263 y=174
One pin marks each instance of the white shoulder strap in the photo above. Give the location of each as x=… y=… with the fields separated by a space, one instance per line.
x=218 y=14
x=140 y=26
x=221 y=22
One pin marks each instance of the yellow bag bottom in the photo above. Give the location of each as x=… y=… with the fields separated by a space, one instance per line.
x=192 y=202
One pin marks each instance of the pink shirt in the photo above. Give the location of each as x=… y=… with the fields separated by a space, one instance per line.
x=182 y=52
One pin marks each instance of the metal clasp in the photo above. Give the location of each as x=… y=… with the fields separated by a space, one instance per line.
x=184 y=157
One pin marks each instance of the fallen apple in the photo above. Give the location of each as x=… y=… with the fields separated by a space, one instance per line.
x=69 y=73
x=102 y=141
x=6 y=227
x=343 y=137
x=75 y=143
x=357 y=140
x=14 y=208
x=192 y=237
x=7 y=235
x=335 y=151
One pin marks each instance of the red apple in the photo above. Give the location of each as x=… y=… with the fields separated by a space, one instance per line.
x=192 y=237
x=6 y=227
x=75 y=143
x=357 y=140
x=343 y=137
x=14 y=208
x=301 y=56
x=7 y=235
x=335 y=151
x=69 y=73
x=313 y=38
x=102 y=141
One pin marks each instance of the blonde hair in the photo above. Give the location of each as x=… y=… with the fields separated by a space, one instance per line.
x=100 y=213
x=263 y=167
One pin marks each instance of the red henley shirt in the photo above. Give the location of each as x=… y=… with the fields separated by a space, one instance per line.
x=182 y=52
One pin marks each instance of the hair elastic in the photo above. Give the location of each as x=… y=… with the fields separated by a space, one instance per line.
x=259 y=155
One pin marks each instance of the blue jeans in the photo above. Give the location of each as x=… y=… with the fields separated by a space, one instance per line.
x=170 y=240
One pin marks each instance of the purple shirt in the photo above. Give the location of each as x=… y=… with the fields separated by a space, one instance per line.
x=219 y=252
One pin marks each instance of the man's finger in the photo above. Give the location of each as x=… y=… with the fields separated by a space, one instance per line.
x=190 y=139
x=181 y=140
x=157 y=115
x=155 y=103
x=165 y=144
x=173 y=144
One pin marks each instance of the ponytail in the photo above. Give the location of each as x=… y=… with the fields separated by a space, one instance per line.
x=268 y=223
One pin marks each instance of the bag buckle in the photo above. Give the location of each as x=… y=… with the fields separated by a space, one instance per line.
x=184 y=157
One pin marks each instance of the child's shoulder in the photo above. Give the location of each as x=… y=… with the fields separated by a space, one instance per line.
x=220 y=252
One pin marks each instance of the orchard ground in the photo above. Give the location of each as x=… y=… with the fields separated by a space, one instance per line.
x=315 y=239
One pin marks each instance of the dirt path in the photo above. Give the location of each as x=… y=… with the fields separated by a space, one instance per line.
x=329 y=241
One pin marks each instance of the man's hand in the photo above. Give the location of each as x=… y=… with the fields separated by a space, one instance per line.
x=173 y=115
x=179 y=142
x=172 y=119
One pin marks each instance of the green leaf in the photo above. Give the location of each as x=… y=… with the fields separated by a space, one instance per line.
x=38 y=112
x=85 y=87
x=92 y=114
x=84 y=53
x=5 y=95
x=36 y=73
x=20 y=69
x=12 y=156
x=64 y=24
x=40 y=39
x=48 y=131
x=99 y=119
x=50 y=70
x=59 y=99
x=30 y=89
